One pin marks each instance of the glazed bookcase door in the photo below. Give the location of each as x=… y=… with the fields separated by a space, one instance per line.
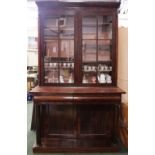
x=97 y=49
x=58 y=53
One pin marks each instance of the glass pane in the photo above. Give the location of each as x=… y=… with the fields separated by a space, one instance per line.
x=104 y=77
x=104 y=62
x=89 y=73
x=104 y=27
x=59 y=49
x=66 y=27
x=50 y=61
x=66 y=72
x=67 y=59
x=89 y=27
x=104 y=53
x=51 y=48
x=51 y=28
x=88 y=50
x=67 y=49
x=51 y=73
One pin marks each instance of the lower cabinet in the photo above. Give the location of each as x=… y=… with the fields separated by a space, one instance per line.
x=76 y=119
x=79 y=127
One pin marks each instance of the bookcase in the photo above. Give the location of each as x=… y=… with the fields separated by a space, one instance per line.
x=77 y=102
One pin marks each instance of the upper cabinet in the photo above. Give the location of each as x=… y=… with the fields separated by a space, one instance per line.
x=78 y=43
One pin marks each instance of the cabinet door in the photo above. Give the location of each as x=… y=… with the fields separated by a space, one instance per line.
x=58 y=120
x=97 y=49
x=58 y=36
x=96 y=120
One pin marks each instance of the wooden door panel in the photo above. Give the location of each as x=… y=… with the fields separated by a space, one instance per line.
x=58 y=120
x=96 y=120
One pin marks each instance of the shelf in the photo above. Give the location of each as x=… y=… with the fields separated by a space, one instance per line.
x=67 y=35
x=101 y=71
x=59 y=60
x=51 y=69
x=56 y=39
x=105 y=24
x=103 y=62
x=95 y=62
x=90 y=71
x=98 y=39
x=108 y=40
x=95 y=25
x=69 y=68
x=89 y=25
x=56 y=68
x=104 y=71
x=65 y=38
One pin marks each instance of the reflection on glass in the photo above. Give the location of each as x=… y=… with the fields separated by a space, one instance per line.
x=51 y=48
x=89 y=73
x=67 y=49
x=89 y=28
x=104 y=27
x=89 y=78
x=59 y=49
x=67 y=73
x=89 y=50
x=51 y=75
x=51 y=28
x=66 y=27
x=96 y=51
x=104 y=50
x=104 y=68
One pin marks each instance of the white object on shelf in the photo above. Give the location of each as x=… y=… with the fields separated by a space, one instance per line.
x=61 y=79
x=102 y=78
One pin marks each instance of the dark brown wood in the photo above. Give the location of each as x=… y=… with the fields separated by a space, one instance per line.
x=38 y=131
x=76 y=90
x=38 y=149
x=77 y=117
x=33 y=122
x=53 y=99
x=115 y=47
x=51 y=3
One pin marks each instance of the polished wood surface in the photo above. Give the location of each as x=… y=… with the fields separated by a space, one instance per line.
x=67 y=126
x=42 y=3
x=38 y=149
x=84 y=99
x=76 y=119
x=76 y=90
